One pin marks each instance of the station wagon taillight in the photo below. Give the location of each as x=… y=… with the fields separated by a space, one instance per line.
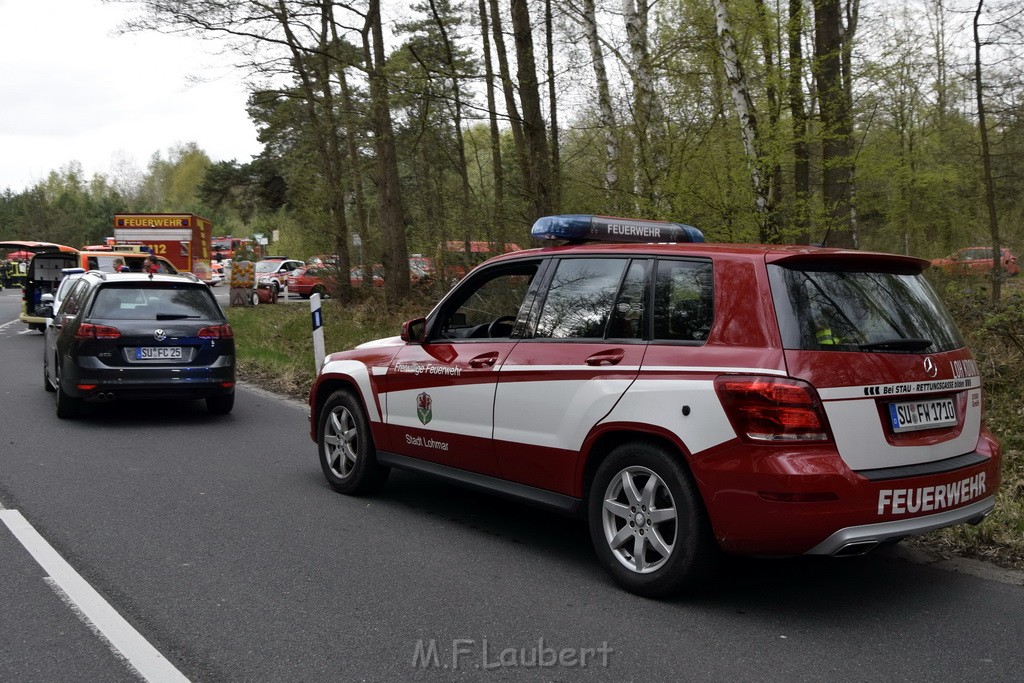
x=216 y=332
x=90 y=331
x=773 y=409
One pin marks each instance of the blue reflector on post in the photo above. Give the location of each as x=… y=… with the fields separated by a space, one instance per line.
x=582 y=227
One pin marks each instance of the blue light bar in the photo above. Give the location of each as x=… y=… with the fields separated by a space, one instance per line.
x=582 y=227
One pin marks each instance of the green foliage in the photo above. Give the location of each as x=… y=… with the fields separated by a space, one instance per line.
x=995 y=335
x=64 y=209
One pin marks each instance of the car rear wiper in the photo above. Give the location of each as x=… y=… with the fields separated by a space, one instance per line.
x=174 y=316
x=898 y=344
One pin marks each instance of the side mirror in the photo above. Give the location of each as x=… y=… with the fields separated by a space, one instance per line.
x=45 y=311
x=414 y=331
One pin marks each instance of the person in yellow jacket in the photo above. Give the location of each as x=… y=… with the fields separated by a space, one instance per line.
x=825 y=337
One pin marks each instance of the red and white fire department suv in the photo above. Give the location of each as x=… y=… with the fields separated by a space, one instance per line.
x=684 y=397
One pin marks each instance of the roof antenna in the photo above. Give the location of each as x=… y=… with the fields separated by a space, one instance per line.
x=824 y=239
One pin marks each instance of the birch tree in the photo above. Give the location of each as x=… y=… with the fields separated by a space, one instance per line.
x=648 y=114
x=587 y=18
x=745 y=112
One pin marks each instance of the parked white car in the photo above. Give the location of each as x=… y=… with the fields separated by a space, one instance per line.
x=67 y=278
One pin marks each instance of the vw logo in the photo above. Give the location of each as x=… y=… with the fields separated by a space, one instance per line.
x=160 y=335
x=929 y=367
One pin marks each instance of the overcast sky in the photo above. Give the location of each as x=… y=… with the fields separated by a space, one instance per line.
x=71 y=90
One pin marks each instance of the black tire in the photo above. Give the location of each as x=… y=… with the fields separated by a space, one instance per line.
x=67 y=406
x=677 y=549
x=220 y=405
x=317 y=290
x=348 y=457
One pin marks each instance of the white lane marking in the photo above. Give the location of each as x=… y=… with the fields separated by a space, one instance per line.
x=123 y=638
x=9 y=323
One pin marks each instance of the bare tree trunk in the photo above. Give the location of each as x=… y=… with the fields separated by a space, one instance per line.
x=539 y=168
x=604 y=100
x=396 y=251
x=798 y=113
x=355 y=167
x=498 y=212
x=986 y=163
x=748 y=122
x=837 y=163
x=937 y=13
x=938 y=18
x=556 y=163
x=848 y=30
x=508 y=89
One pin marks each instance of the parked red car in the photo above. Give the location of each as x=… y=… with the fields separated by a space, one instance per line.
x=976 y=260
x=310 y=280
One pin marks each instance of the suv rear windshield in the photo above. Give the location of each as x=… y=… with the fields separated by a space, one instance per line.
x=846 y=310
x=170 y=301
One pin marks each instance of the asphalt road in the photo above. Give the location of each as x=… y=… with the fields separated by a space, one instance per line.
x=217 y=541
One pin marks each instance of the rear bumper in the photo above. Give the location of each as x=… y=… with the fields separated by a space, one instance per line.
x=857 y=540
x=149 y=383
x=767 y=502
x=134 y=393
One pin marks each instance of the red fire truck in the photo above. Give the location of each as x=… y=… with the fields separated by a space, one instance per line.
x=181 y=238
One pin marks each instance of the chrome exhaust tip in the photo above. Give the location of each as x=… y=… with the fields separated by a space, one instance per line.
x=856 y=548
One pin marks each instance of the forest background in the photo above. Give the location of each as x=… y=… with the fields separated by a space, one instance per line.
x=858 y=123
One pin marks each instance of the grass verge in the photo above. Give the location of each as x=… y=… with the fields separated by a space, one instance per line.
x=274 y=343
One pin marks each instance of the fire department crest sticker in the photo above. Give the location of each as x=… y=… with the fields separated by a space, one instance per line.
x=423 y=404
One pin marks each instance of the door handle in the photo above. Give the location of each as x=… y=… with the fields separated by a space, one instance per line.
x=484 y=361
x=611 y=357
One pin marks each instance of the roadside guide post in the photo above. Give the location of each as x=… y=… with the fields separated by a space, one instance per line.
x=318 y=330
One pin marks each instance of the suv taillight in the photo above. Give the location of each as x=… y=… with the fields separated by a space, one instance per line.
x=216 y=332
x=90 y=331
x=772 y=409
